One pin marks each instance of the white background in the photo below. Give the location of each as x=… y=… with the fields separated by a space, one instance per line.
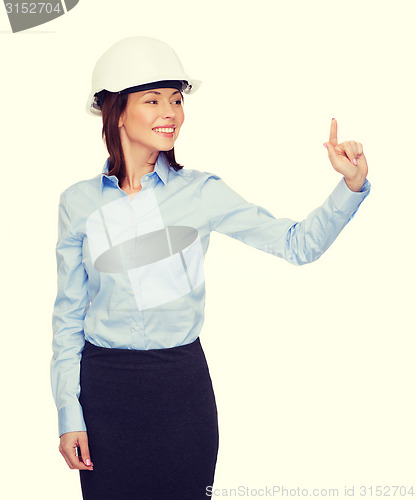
x=313 y=367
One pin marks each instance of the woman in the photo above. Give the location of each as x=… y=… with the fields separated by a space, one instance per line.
x=129 y=375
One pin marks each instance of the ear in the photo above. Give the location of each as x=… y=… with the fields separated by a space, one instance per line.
x=121 y=120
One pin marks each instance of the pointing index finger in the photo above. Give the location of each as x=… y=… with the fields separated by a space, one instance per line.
x=333 y=139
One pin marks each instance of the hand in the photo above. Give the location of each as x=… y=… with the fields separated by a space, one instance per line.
x=68 y=446
x=347 y=158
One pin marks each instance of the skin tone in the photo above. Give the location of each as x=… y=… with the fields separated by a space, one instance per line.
x=141 y=146
x=347 y=158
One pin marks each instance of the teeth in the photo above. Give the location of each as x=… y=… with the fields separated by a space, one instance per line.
x=166 y=130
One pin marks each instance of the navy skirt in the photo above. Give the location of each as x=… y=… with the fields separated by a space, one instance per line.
x=151 y=421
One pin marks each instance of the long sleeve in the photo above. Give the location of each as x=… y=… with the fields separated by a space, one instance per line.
x=68 y=319
x=296 y=242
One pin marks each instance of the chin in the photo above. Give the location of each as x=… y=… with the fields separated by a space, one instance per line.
x=166 y=146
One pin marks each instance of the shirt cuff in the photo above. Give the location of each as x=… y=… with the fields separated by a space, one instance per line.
x=71 y=419
x=365 y=187
x=348 y=201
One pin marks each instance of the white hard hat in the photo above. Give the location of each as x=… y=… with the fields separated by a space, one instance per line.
x=134 y=61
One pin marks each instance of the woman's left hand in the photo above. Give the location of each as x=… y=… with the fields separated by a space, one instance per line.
x=347 y=158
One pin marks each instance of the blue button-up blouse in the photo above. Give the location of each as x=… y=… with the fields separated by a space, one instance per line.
x=131 y=270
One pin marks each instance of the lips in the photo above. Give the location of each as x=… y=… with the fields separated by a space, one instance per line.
x=167 y=132
x=167 y=129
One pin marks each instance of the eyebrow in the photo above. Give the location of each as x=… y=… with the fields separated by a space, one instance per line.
x=158 y=93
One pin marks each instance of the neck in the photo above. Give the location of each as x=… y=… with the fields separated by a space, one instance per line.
x=138 y=164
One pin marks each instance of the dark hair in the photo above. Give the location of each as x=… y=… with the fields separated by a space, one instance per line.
x=112 y=106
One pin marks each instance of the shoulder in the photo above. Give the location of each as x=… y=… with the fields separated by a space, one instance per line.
x=190 y=175
x=81 y=188
x=210 y=188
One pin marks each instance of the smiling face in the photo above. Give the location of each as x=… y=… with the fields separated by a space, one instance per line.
x=152 y=120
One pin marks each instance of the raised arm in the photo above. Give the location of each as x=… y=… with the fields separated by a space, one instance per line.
x=298 y=242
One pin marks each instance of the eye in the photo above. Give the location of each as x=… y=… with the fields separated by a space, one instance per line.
x=178 y=102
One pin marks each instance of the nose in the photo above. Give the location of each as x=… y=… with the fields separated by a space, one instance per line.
x=168 y=110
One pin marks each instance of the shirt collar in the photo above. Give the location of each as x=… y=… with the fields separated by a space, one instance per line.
x=161 y=168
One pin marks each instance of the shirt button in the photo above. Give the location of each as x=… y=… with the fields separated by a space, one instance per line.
x=137 y=327
x=132 y=292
